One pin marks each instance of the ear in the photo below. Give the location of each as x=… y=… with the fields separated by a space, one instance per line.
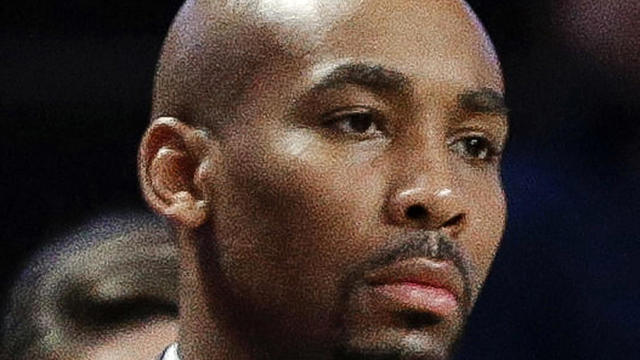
x=175 y=166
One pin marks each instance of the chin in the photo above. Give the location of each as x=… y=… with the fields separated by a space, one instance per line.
x=375 y=330
x=397 y=344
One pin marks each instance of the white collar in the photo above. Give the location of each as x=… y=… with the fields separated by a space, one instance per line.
x=171 y=353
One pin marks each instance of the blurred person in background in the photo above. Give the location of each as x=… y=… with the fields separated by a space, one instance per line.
x=104 y=291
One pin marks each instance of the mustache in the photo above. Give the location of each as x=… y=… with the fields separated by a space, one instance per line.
x=434 y=245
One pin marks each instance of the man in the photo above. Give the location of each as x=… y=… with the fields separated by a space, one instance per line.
x=332 y=171
x=105 y=291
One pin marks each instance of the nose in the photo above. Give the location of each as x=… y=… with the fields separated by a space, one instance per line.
x=429 y=202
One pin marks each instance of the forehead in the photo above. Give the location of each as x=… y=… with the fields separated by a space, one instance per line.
x=440 y=46
x=273 y=49
x=439 y=42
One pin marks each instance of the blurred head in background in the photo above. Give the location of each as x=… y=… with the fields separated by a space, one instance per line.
x=105 y=290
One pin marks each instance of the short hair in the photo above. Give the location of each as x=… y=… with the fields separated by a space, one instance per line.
x=45 y=311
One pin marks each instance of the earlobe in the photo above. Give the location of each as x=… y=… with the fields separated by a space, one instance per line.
x=186 y=210
x=169 y=162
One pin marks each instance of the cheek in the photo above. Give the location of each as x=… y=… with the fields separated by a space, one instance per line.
x=487 y=215
x=298 y=208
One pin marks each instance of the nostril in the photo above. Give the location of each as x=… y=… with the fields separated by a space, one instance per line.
x=454 y=221
x=416 y=212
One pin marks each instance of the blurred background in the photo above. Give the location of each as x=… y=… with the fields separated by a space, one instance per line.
x=75 y=92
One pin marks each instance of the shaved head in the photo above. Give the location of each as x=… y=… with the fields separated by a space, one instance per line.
x=210 y=55
x=215 y=49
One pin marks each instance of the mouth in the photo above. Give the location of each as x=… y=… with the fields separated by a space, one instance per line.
x=419 y=285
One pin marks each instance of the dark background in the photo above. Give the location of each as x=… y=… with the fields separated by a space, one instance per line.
x=75 y=95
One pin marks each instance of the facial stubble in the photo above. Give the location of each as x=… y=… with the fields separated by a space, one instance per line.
x=404 y=344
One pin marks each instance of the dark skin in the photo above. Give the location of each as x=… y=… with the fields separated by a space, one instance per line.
x=332 y=150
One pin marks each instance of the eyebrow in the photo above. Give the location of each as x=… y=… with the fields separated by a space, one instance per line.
x=375 y=77
x=483 y=101
x=378 y=78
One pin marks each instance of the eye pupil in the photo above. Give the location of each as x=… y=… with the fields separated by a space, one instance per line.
x=356 y=123
x=360 y=122
x=477 y=147
x=474 y=146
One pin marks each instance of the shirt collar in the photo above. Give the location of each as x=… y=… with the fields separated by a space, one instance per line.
x=170 y=353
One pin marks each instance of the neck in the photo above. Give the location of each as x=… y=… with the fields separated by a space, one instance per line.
x=206 y=330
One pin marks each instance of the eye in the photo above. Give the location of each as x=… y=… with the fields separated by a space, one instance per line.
x=474 y=148
x=360 y=122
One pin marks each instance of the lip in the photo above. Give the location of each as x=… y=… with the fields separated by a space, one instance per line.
x=434 y=286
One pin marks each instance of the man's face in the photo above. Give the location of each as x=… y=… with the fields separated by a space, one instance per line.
x=360 y=203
